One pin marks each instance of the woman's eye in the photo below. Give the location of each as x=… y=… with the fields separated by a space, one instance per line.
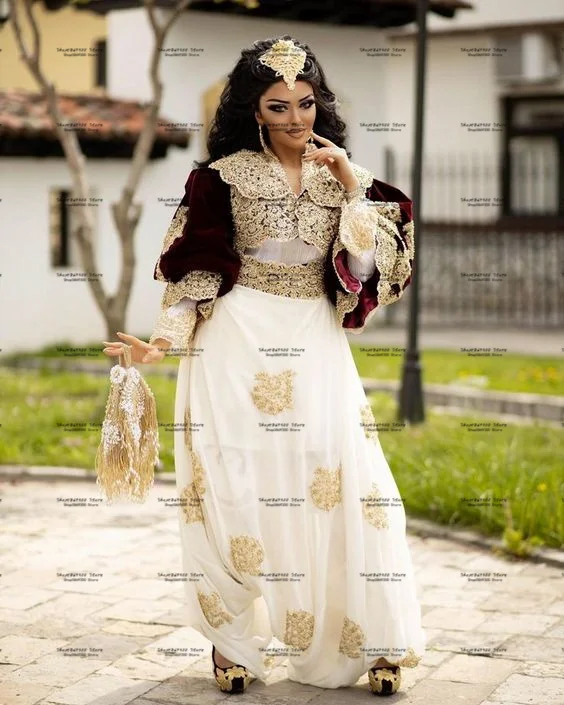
x=281 y=108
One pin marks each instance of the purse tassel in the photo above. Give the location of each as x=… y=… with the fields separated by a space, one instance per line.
x=129 y=448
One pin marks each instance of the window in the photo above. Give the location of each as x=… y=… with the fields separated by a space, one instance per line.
x=533 y=173
x=100 y=66
x=64 y=249
x=59 y=231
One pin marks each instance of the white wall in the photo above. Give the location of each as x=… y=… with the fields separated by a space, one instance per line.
x=501 y=12
x=39 y=307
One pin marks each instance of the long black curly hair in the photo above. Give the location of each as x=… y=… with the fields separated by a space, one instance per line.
x=234 y=125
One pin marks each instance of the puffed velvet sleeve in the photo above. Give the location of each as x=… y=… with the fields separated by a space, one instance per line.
x=197 y=260
x=376 y=223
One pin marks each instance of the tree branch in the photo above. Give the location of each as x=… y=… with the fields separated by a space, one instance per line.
x=68 y=140
x=125 y=213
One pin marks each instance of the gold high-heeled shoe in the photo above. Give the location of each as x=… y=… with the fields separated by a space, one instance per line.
x=233 y=679
x=384 y=680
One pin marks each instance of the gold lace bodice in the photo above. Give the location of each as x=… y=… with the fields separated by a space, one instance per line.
x=283 y=240
x=265 y=207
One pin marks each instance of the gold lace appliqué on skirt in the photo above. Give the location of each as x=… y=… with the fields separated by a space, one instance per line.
x=247 y=554
x=352 y=638
x=212 y=609
x=274 y=393
x=299 y=629
x=325 y=489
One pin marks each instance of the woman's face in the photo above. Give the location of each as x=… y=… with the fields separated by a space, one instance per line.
x=288 y=115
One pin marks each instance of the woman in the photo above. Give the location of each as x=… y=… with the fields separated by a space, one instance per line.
x=291 y=522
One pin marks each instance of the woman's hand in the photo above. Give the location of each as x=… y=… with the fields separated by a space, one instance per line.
x=336 y=160
x=140 y=350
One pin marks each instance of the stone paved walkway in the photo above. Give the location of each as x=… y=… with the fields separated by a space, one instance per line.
x=116 y=635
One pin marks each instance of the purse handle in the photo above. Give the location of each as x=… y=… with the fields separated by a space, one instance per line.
x=125 y=356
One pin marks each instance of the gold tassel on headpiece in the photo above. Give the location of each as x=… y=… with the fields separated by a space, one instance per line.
x=286 y=59
x=129 y=449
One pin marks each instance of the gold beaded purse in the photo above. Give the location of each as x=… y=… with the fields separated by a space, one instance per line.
x=129 y=446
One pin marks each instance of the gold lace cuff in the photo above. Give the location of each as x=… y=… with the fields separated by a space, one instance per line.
x=395 y=267
x=357 y=193
x=358 y=226
x=381 y=222
x=174 y=231
x=177 y=328
x=194 y=285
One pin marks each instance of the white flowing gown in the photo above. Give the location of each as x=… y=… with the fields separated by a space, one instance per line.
x=292 y=526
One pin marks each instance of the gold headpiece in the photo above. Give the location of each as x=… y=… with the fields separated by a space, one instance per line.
x=286 y=59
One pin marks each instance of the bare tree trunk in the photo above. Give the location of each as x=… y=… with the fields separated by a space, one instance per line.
x=125 y=212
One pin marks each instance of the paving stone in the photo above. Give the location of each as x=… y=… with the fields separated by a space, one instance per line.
x=411 y=676
x=185 y=637
x=505 y=702
x=176 y=618
x=144 y=701
x=528 y=583
x=441 y=597
x=58 y=670
x=556 y=608
x=439 y=576
x=138 y=610
x=150 y=589
x=21 y=598
x=16 y=693
x=108 y=646
x=512 y=623
x=557 y=631
x=58 y=628
x=20 y=650
x=359 y=693
x=15 y=616
x=474 y=669
x=72 y=605
x=101 y=690
x=540 y=669
x=539 y=569
x=485 y=562
x=144 y=668
x=534 y=648
x=432 y=657
x=6 y=668
x=450 y=618
x=471 y=643
x=516 y=602
x=183 y=689
x=433 y=692
x=283 y=692
x=530 y=690
x=9 y=628
x=137 y=628
x=102 y=584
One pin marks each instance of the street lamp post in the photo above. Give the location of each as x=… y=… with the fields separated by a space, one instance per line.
x=410 y=402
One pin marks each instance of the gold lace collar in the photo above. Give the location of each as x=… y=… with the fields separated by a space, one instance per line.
x=257 y=175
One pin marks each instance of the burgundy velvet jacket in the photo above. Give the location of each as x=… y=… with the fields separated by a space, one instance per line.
x=203 y=239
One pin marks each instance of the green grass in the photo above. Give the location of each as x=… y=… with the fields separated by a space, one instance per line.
x=64 y=350
x=40 y=406
x=435 y=464
x=517 y=472
x=509 y=373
